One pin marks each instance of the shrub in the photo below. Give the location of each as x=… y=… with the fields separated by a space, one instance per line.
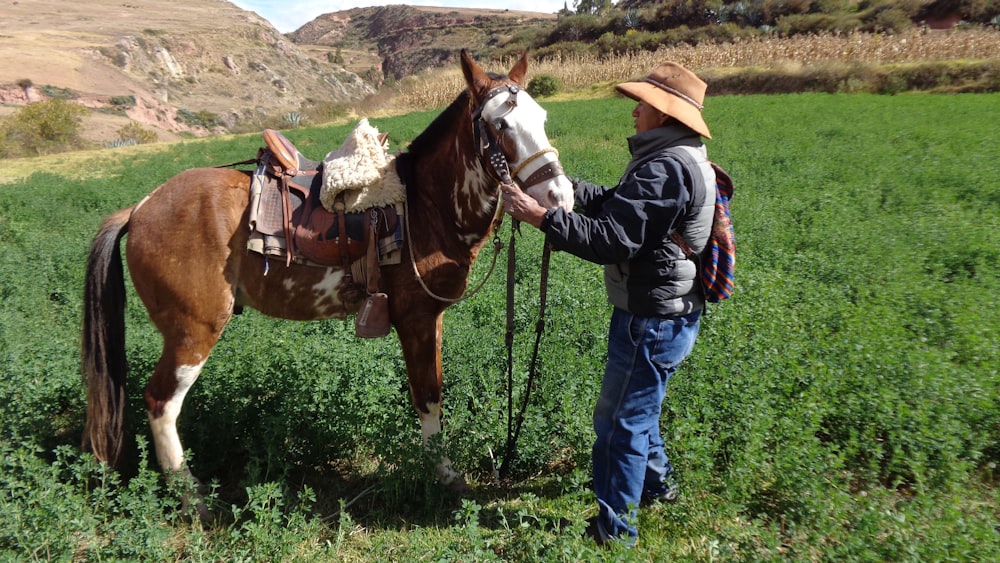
x=202 y=118
x=134 y=132
x=42 y=127
x=123 y=102
x=544 y=85
x=673 y=13
x=578 y=28
x=817 y=23
x=326 y=111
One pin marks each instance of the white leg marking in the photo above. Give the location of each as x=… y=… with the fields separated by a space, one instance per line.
x=430 y=422
x=430 y=425
x=169 y=452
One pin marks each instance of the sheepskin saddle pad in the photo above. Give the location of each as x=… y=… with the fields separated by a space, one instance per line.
x=362 y=171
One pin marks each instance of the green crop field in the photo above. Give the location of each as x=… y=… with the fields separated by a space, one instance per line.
x=843 y=406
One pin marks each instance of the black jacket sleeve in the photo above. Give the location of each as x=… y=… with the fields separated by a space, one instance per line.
x=619 y=224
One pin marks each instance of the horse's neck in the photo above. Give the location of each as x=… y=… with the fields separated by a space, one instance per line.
x=457 y=190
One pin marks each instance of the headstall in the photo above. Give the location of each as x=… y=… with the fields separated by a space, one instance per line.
x=491 y=154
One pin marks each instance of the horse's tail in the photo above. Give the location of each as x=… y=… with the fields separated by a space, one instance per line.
x=104 y=365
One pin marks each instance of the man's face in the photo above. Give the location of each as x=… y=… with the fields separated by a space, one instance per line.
x=647 y=117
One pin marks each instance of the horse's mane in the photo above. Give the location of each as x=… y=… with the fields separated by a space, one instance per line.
x=439 y=129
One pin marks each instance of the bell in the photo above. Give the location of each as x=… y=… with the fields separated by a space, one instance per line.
x=373 y=317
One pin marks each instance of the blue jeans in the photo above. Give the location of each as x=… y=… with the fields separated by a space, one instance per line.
x=629 y=459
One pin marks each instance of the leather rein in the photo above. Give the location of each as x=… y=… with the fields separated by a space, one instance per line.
x=494 y=160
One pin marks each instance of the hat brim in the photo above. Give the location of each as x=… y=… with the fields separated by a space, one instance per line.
x=667 y=103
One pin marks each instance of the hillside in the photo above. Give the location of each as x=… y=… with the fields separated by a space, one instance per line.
x=403 y=40
x=161 y=62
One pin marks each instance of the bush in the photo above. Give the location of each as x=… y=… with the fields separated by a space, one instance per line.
x=134 y=132
x=41 y=128
x=544 y=85
x=817 y=23
x=201 y=118
x=578 y=28
x=123 y=103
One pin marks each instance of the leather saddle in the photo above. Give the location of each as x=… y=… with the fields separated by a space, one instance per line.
x=290 y=207
x=319 y=235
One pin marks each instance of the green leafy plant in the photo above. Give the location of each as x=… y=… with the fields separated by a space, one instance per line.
x=41 y=128
x=136 y=133
x=544 y=86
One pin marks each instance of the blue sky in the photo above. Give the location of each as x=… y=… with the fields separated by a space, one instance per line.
x=289 y=15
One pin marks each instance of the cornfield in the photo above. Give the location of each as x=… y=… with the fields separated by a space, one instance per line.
x=437 y=88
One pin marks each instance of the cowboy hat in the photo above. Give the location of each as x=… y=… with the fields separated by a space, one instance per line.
x=675 y=91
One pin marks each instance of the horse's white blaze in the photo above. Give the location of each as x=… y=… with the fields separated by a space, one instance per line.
x=169 y=452
x=526 y=123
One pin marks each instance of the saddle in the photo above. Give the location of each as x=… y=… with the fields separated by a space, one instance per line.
x=286 y=188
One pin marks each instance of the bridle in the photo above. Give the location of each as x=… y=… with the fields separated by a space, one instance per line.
x=495 y=162
x=491 y=154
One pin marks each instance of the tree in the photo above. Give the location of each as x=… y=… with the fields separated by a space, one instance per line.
x=595 y=7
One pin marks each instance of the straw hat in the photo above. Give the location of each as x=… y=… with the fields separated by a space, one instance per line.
x=675 y=91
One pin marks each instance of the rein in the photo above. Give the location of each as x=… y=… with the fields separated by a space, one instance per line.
x=494 y=161
x=514 y=425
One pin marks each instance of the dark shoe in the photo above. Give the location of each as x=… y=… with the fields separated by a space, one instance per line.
x=593 y=532
x=670 y=495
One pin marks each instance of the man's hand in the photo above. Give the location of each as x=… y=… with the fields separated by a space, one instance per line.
x=521 y=206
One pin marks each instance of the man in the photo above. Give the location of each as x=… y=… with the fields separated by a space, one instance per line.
x=650 y=281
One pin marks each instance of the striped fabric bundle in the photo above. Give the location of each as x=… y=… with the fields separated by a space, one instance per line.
x=719 y=259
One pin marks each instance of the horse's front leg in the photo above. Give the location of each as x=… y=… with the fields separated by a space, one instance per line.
x=421 y=343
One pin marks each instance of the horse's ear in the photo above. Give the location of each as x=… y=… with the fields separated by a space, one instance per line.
x=520 y=69
x=475 y=77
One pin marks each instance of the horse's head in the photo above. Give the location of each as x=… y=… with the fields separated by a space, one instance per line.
x=516 y=123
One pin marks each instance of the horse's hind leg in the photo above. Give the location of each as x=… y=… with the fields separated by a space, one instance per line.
x=187 y=342
x=182 y=359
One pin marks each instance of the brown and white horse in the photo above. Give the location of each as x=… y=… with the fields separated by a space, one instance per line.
x=186 y=254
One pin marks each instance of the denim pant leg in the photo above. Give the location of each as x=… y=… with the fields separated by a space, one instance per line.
x=658 y=466
x=642 y=354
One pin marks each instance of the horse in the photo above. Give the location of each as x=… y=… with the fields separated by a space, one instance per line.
x=186 y=253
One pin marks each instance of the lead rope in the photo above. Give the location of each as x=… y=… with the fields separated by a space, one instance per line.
x=514 y=428
x=497 y=245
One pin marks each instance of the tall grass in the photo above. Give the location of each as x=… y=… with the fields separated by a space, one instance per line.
x=843 y=406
